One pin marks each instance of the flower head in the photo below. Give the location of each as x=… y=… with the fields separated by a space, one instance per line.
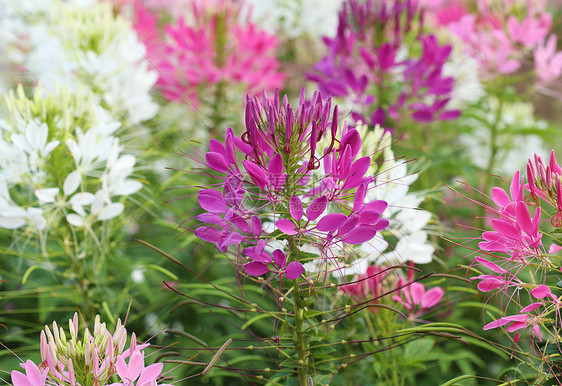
x=214 y=47
x=301 y=184
x=370 y=51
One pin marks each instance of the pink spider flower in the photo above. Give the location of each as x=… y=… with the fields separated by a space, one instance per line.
x=372 y=284
x=291 y=181
x=417 y=300
x=498 y=36
x=216 y=46
x=34 y=376
x=135 y=372
x=526 y=318
x=364 y=56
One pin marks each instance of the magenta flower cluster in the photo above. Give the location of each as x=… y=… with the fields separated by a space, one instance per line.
x=514 y=252
x=293 y=181
x=364 y=64
x=216 y=46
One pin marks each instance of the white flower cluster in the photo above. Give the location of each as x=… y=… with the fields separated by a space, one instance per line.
x=294 y=18
x=87 y=48
x=38 y=180
x=516 y=137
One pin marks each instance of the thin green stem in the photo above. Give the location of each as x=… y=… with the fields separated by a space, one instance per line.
x=300 y=336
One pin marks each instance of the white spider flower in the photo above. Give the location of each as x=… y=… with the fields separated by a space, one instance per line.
x=92 y=49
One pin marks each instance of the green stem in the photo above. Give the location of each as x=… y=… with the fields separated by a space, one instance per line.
x=300 y=336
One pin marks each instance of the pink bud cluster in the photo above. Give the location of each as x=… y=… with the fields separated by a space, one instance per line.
x=93 y=360
x=214 y=46
x=293 y=181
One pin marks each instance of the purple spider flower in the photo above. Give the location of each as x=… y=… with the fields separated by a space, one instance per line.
x=366 y=56
x=292 y=180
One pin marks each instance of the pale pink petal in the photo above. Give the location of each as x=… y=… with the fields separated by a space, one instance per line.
x=18 y=379
x=150 y=373
x=432 y=297
x=417 y=291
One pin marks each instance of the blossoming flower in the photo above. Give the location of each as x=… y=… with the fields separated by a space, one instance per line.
x=368 y=52
x=37 y=136
x=416 y=299
x=275 y=182
x=91 y=49
x=212 y=48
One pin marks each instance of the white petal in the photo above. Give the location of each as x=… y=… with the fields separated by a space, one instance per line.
x=71 y=183
x=112 y=210
x=74 y=219
x=11 y=222
x=128 y=187
x=46 y=195
x=81 y=199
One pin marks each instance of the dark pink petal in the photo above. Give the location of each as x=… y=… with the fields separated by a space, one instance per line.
x=490 y=283
x=359 y=197
x=286 y=226
x=351 y=223
x=275 y=172
x=240 y=223
x=531 y=307
x=516 y=187
x=294 y=269
x=216 y=147
x=210 y=218
x=150 y=373
x=359 y=235
x=331 y=222
x=537 y=330
x=212 y=201
x=217 y=162
x=257 y=254
x=256 y=226
x=357 y=172
x=233 y=238
x=506 y=228
x=432 y=297
x=353 y=139
x=524 y=218
x=209 y=234
x=417 y=290
x=382 y=224
x=376 y=205
x=490 y=265
x=500 y=197
x=279 y=258
x=496 y=323
x=369 y=217
x=295 y=208
x=255 y=269
x=256 y=173
x=541 y=291
x=449 y=115
x=316 y=208
x=516 y=326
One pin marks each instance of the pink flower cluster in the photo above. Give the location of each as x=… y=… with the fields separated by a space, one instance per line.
x=91 y=361
x=365 y=58
x=214 y=46
x=379 y=281
x=514 y=248
x=500 y=36
x=301 y=184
